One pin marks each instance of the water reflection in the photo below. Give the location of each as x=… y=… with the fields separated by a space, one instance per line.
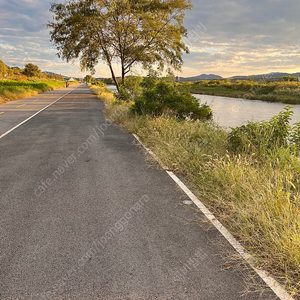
x=233 y=112
x=111 y=87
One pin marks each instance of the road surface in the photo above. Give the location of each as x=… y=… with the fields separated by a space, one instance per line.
x=83 y=216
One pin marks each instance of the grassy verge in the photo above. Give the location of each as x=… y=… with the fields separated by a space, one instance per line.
x=14 y=90
x=286 y=92
x=256 y=199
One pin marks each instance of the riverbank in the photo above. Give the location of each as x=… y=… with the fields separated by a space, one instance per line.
x=255 y=197
x=284 y=92
x=14 y=90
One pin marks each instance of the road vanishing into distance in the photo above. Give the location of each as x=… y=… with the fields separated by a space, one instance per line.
x=83 y=216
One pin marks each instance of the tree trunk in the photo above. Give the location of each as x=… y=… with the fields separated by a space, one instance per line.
x=114 y=78
x=123 y=73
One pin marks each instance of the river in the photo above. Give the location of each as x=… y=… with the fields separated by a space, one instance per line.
x=233 y=112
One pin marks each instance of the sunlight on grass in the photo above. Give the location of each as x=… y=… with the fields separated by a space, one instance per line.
x=15 y=90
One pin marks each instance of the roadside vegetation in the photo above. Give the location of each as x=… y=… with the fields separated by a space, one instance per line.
x=16 y=83
x=287 y=91
x=14 y=90
x=248 y=177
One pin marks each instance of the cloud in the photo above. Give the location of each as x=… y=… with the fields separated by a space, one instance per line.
x=225 y=37
x=244 y=37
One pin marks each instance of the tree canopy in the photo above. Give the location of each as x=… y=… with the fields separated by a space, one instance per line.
x=131 y=32
x=89 y=78
x=3 y=69
x=31 y=70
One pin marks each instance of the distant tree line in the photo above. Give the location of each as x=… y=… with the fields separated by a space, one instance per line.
x=92 y=80
x=290 y=78
x=29 y=71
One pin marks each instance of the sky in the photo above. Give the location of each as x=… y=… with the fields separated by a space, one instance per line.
x=226 y=37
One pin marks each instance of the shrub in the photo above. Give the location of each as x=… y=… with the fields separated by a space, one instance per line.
x=267 y=89
x=129 y=89
x=165 y=96
x=259 y=137
x=99 y=83
x=295 y=137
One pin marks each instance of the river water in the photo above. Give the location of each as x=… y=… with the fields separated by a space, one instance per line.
x=233 y=112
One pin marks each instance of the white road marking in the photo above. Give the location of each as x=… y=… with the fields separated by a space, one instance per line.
x=9 y=131
x=271 y=282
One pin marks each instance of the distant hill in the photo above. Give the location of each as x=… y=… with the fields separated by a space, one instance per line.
x=268 y=76
x=200 y=77
x=63 y=76
x=51 y=73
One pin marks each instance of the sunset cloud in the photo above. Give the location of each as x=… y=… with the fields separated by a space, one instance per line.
x=226 y=37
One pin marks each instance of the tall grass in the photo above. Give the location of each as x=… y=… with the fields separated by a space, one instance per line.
x=257 y=199
x=14 y=90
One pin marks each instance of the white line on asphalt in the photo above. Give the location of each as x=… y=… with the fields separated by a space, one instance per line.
x=9 y=131
x=271 y=282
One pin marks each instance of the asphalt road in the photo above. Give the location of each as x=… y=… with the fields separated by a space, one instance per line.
x=83 y=216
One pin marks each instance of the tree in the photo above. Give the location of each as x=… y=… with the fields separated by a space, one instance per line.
x=31 y=70
x=3 y=69
x=131 y=32
x=89 y=79
x=16 y=70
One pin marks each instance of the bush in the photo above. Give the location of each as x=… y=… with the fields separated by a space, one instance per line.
x=99 y=83
x=259 y=137
x=165 y=96
x=130 y=89
x=294 y=138
x=266 y=89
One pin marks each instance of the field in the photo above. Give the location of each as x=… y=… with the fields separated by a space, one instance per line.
x=253 y=187
x=14 y=90
x=285 y=92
